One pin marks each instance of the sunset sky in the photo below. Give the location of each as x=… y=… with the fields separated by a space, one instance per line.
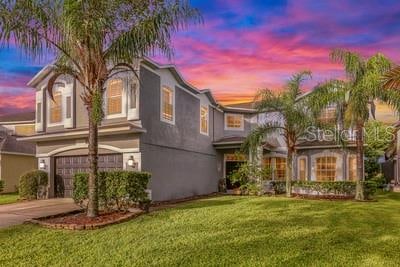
x=247 y=45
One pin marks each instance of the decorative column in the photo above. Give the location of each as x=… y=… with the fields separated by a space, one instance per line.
x=46 y=164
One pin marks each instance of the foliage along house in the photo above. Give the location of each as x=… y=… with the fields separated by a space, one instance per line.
x=165 y=126
x=16 y=157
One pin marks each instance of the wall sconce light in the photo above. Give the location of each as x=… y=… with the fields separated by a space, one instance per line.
x=42 y=164
x=131 y=161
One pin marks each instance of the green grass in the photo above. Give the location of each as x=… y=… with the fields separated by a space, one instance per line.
x=8 y=198
x=224 y=231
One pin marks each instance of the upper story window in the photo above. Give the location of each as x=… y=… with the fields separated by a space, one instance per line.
x=167 y=104
x=114 y=96
x=56 y=108
x=204 y=120
x=328 y=115
x=234 y=122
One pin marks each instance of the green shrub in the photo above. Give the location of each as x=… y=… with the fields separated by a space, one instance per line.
x=1 y=186
x=379 y=179
x=370 y=187
x=116 y=189
x=279 y=187
x=338 y=187
x=32 y=185
x=80 y=192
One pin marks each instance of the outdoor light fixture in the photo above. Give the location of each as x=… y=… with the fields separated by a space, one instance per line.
x=42 y=164
x=131 y=162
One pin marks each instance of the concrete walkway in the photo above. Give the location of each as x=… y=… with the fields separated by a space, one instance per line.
x=17 y=213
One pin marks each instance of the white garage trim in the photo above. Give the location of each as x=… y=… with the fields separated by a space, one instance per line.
x=79 y=146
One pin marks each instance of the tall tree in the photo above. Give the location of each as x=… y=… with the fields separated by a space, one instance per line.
x=93 y=40
x=292 y=119
x=358 y=92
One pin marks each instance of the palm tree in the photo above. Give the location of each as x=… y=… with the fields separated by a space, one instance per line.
x=93 y=40
x=292 y=121
x=357 y=94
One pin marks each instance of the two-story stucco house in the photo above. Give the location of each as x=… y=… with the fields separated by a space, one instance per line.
x=165 y=126
x=161 y=124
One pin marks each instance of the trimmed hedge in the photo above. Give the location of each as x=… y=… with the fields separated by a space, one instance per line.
x=116 y=189
x=1 y=186
x=32 y=185
x=343 y=188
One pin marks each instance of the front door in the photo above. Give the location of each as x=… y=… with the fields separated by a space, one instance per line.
x=230 y=167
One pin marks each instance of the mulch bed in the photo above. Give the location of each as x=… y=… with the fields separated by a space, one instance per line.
x=78 y=220
x=323 y=197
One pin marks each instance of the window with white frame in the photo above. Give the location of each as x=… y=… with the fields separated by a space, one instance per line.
x=326 y=168
x=167 y=104
x=352 y=168
x=114 y=96
x=204 y=120
x=234 y=121
x=56 y=108
x=302 y=169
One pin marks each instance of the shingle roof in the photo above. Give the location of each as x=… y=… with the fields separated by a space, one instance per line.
x=9 y=143
x=18 y=117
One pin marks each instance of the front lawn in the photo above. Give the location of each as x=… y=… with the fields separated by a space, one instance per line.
x=246 y=231
x=8 y=198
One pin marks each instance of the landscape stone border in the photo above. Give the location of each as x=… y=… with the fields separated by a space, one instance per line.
x=90 y=226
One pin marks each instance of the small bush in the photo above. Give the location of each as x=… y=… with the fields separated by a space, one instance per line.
x=116 y=189
x=370 y=187
x=32 y=185
x=1 y=186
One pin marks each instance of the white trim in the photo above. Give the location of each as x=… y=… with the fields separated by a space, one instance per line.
x=208 y=120
x=48 y=136
x=298 y=167
x=173 y=104
x=133 y=113
x=327 y=153
x=48 y=104
x=79 y=146
x=226 y=128
x=124 y=101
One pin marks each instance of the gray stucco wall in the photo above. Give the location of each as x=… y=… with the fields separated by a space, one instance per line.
x=182 y=161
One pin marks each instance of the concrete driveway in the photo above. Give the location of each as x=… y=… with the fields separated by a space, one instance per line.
x=17 y=213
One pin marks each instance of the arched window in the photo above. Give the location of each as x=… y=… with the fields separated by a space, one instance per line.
x=326 y=168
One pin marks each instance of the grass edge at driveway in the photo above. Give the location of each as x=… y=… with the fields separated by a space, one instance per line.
x=8 y=198
x=224 y=231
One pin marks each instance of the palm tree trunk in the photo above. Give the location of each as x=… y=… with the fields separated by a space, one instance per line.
x=360 y=162
x=93 y=201
x=289 y=172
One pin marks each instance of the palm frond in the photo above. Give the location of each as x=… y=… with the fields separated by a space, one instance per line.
x=391 y=79
x=152 y=31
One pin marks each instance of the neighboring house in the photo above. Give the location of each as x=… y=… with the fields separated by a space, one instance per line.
x=16 y=157
x=20 y=124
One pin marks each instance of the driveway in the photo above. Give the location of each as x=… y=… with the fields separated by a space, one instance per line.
x=17 y=213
